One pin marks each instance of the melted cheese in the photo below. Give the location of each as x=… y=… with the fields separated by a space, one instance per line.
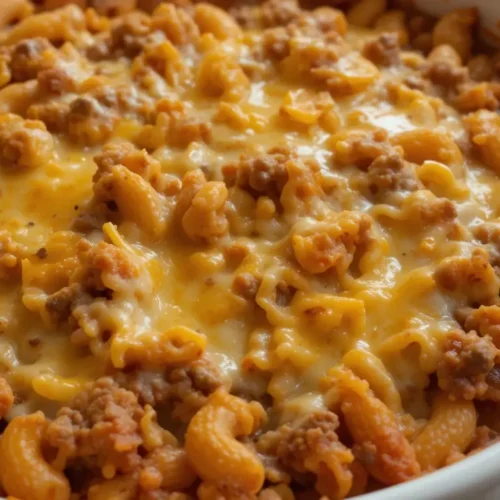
x=395 y=302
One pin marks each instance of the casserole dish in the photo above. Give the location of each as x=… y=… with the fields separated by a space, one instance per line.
x=248 y=251
x=477 y=477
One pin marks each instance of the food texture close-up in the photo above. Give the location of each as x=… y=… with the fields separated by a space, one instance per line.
x=248 y=250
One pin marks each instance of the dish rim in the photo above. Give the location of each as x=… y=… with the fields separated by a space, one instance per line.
x=476 y=474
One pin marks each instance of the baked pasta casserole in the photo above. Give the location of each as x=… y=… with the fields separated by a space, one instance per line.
x=247 y=251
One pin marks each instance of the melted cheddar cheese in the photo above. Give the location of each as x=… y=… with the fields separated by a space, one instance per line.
x=287 y=196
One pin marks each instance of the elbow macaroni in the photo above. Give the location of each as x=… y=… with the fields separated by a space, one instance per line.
x=450 y=429
x=212 y=446
x=374 y=426
x=25 y=472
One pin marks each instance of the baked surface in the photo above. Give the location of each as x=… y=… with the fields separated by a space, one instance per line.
x=245 y=252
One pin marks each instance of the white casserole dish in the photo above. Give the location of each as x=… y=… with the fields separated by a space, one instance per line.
x=475 y=478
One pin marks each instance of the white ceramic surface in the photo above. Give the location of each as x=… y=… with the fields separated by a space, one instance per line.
x=475 y=478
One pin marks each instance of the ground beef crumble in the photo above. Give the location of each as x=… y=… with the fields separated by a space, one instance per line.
x=474 y=277
x=470 y=366
x=100 y=428
x=262 y=174
x=311 y=445
x=184 y=389
x=384 y=50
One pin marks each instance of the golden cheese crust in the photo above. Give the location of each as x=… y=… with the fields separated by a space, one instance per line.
x=247 y=250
